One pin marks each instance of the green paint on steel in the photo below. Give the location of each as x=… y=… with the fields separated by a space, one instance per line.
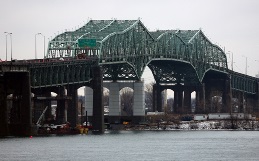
x=125 y=48
x=59 y=73
x=87 y=43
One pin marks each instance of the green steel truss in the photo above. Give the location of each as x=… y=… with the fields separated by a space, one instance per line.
x=124 y=48
x=59 y=73
x=192 y=49
x=244 y=83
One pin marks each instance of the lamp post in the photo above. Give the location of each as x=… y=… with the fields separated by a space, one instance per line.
x=246 y=63
x=5 y=46
x=232 y=59
x=43 y=45
x=6 y=34
x=36 y=45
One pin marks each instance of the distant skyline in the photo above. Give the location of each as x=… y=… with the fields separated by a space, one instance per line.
x=231 y=24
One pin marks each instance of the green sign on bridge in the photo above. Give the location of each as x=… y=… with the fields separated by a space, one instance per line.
x=84 y=43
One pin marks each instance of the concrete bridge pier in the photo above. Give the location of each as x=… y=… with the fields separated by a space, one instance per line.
x=89 y=101
x=227 y=97
x=157 y=98
x=21 y=111
x=139 y=99
x=115 y=111
x=114 y=100
x=178 y=101
x=187 y=101
x=250 y=103
x=72 y=108
x=26 y=113
x=241 y=101
x=98 y=109
x=208 y=97
x=200 y=99
x=61 y=107
x=3 y=107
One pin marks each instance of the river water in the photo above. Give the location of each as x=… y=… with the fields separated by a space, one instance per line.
x=135 y=145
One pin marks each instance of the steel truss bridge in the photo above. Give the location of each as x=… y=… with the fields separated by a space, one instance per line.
x=124 y=48
x=182 y=60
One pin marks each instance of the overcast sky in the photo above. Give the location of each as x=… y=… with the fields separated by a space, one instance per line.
x=231 y=24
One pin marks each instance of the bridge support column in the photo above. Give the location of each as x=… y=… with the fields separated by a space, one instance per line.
x=241 y=102
x=139 y=99
x=227 y=97
x=114 y=100
x=178 y=101
x=3 y=108
x=200 y=99
x=157 y=99
x=208 y=97
x=98 y=109
x=89 y=101
x=26 y=113
x=72 y=109
x=61 y=107
x=21 y=111
x=187 y=101
x=250 y=104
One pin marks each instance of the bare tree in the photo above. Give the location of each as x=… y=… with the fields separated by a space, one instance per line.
x=149 y=96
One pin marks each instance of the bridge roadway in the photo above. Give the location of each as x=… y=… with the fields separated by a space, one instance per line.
x=181 y=60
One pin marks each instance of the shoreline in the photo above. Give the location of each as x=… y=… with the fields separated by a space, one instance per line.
x=191 y=125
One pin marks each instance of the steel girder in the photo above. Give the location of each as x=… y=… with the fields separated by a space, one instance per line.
x=241 y=82
x=60 y=73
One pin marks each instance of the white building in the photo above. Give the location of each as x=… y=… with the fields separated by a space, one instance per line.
x=223 y=116
x=200 y=117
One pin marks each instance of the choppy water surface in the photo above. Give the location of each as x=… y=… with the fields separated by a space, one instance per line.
x=136 y=145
